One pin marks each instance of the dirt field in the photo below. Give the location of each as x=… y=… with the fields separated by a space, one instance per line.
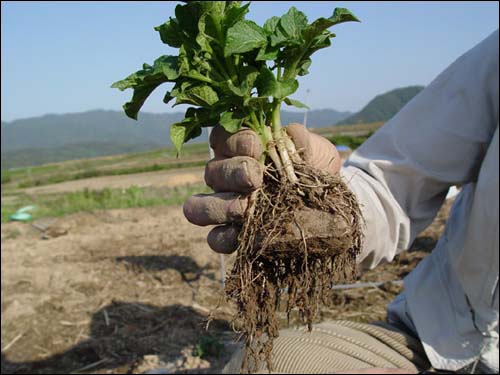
x=170 y=178
x=126 y=291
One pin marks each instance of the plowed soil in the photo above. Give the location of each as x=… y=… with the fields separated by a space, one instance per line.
x=127 y=291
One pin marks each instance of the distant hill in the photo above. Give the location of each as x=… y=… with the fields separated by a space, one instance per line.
x=28 y=157
x=54 y=131
x=383 y=107
x=53 y=138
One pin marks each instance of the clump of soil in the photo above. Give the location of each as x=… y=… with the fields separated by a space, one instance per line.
x=296 y=242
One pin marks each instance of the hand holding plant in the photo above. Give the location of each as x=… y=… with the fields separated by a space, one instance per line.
x=299 y=230
x=234 y=174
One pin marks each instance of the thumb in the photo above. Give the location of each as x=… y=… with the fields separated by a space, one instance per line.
x=316 y=150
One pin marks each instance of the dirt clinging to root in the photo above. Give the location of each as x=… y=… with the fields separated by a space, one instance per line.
x=296 y=242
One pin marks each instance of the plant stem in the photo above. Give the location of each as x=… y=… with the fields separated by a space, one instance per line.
x=257 y=126
x=279 y=138
x=291 y=72
x=276 y=117
x=271 y=150
x=217 y=76
x=202 y=78
x=232 y=71
x=220 y=67
x=221 y=39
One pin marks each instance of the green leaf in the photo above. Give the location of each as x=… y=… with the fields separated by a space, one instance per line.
x=183 y=131
x=170 y=33
x=271 y=24
x=177 y=135
x=177 y=89
x=238 y=91
x=145 y=81
x=268 y=85
x=249 y=76
x=343 y=15
x=195 y=132
x=285 y=88
x=209 y=24
x=187 y=16
x=243 y=37
x=322 y=40
x=315 y=37
x=141 y=93
x=278 y=38
x=203 y=116
x=168 y=97
x=231 y=122
x=339 y=15
x=203 y=96
x=255 y=100
x=169 y=66
x=266 y=82
x=287 y=30
x=184 y=65
x=267 y=53
x=203 y=39
x=293 y=22
x=303 y=67
x=222 y=64
x=234 y=14
x=295 y=103
x=164 y=69
x=215 y=8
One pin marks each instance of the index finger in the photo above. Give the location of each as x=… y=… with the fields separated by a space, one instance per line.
x=242 y=143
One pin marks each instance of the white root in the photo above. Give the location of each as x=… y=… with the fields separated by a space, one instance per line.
x=292 y=151
x=273 y=154
x=251 y=203
x=285 y=158
x=283 y=153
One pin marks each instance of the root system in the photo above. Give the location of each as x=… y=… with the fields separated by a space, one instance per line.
x=298 y=239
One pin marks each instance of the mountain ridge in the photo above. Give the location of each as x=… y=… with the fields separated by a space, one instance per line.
x=383 y=107
x=51 y=137
x=60 y=137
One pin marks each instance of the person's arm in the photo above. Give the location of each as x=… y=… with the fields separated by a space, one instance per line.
x=402 y=173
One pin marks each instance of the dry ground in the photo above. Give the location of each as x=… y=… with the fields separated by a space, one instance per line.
x=169 y=178
x=125 y=291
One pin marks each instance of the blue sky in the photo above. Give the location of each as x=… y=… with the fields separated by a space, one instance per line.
x=60 y=57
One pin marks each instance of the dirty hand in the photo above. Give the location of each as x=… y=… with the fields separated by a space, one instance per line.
x=235 y=172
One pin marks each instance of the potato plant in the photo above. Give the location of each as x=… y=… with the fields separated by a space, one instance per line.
x=302 y=229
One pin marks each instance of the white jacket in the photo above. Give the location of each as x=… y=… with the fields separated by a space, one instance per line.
x=447 y=135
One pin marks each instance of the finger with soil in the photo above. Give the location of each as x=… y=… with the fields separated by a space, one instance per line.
x=238 y=174
x=323 y=155
x=224 y=239
x=243 y=143
x=218 y=208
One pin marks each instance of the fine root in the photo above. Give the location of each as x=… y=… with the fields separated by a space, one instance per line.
x=298 y=240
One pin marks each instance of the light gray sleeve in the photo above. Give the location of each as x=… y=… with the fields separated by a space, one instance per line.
x=402 y=173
